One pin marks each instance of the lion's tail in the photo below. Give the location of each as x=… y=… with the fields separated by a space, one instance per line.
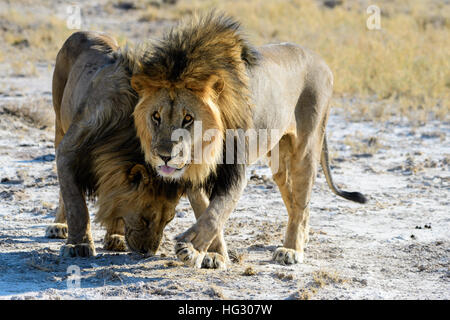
x=324 y=160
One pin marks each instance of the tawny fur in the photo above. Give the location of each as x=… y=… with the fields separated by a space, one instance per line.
x=290 y=87
x=208 y=56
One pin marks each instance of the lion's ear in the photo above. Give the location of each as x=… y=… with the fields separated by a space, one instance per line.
x=137 y=170
x=214 y=87
x=218 y=85
x=141 y=84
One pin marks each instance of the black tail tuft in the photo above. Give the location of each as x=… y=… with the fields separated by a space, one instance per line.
x=353 y=196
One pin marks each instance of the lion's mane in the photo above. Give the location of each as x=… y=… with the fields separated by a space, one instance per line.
x=192 y=55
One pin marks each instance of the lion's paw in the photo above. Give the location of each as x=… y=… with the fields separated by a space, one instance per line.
x=114 y=242
x=213 y=260
x=287 y=256
x=78 y=250
x=186 y=253
x=56 y=231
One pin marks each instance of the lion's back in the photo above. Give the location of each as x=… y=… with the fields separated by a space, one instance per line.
x=77 y=61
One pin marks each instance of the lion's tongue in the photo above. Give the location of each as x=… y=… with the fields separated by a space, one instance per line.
x=167 y=169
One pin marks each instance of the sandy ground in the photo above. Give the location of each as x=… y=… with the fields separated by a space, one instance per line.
x=395 y=247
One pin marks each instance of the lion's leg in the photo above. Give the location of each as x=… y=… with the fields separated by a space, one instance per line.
x=115 y=236
x=296 y=234
x=281 y=175
x=217 y=252
x=79 y=240
x=302 y=166
x=58 y=229
x=193 y=244
x=302 y=171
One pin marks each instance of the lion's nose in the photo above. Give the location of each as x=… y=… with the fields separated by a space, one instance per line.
x=166 y=159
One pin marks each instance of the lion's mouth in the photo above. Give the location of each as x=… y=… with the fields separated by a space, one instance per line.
x=168 y=170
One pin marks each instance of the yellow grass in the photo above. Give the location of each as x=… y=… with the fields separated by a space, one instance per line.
x=321 y=278
x=30 y=38
x=406 y=64
x=401 y=69
x=37 y=112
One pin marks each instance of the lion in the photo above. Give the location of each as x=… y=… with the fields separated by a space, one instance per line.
x=205 y=73
x=98 y=153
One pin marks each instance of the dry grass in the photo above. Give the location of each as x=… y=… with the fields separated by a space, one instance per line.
x=284 y=276
x=249 y=271
x=305 y=294
x=38 y=265
x=323 y=278
x=237 y=257
x=320 y=280
x=405 y=64
x=402 y=69
x=23 y=68
x=216 y=293
x=37 y=112
x=29 y=38
x=367 y=146
x=108 y=275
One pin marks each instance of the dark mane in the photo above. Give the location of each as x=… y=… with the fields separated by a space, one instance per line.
x=112 y=149
x=204 y=40
x=200 y=48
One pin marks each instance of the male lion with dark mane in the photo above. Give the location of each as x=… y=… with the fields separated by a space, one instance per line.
x=204 y=72
x=98 y=153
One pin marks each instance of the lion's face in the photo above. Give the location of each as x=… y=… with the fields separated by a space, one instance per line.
x=202 y=77
x=144 y=228
x=180 y=131
x=144 y=203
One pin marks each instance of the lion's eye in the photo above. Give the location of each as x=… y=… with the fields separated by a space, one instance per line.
x=145 y=222
x=156 y=118
x=187 y=120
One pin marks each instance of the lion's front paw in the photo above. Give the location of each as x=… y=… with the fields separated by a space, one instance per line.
x=213 y=260
x=78 y=250
x=114 y=242
x=186 y=253
x=56 y=231
x=287 y=256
